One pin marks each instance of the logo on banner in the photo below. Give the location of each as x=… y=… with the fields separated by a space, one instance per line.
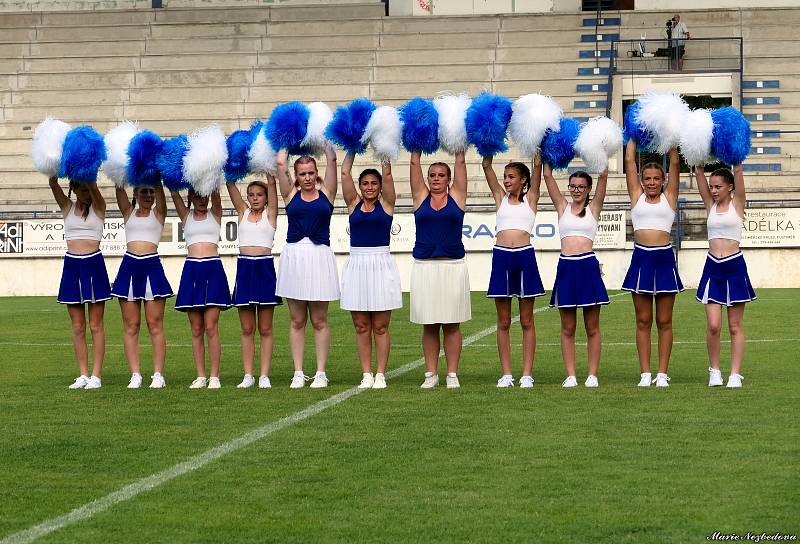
x=11 y=237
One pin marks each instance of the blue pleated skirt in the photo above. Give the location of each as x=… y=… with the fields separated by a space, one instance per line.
x=653 y=271
x=578 y=282
x=514 y=273
x=203 y=283
x=725 y=281
x=141 y=277
x=255 y=281
x=84 y=279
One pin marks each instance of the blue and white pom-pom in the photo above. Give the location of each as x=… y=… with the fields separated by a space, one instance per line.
x=205 y=160
x=48 y=143
x=662 y=114
x=117 y=141
x=287 y=126
x=695 y=140
x=558 y=147
x=143 y=153
x=349 y=122
x=238 y=164
x=634 y=130
x=262 y=157
x=319 y=117
x=84 y=152
x=487 y=122
x=170 y=162
x=533 y=115
x=599 y=139
x=452 y=111
x=730 y=141
x=384 y=133
x=420 y=122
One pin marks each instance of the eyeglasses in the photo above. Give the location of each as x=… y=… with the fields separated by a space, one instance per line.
x=580 y=188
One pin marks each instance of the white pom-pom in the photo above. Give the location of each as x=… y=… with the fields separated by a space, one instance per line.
x=532 y=116
x=383 y=133
x=663 y=115
x=117 y=141
x=320 y=116
x=599 y=139
x=48 y=141
x=695 y=140
x=204 y=160
x=262 y=159
x=452 y=110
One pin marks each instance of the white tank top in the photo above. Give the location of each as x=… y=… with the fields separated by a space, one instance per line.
x=658 y=216
x=570 y=224
x=78 y=228
x=515 y=216
x=143 y=229
x=727 y=225
x=206 y=230
x=259 y=234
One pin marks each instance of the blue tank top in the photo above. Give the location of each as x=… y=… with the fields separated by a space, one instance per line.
x=370 y=229
x=309 y=219
x=438 y=233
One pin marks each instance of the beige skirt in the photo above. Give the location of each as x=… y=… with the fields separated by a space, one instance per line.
x=440 y=291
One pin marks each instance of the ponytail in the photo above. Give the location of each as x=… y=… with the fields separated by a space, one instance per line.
x=524 y=172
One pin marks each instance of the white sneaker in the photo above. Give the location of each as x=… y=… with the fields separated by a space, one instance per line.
x=320 y=381
x=93 y=383
x=213 y=383
x=136 y=381
x=591 y=381
x=367 y=381
x=662 y=380
x=714 y=377
x=264 y=383
x=646 y=379
x=452 y=381
x=571 y=381
x=247 y=382
x=734 y=381
x=157 y=381
x=380 y=381
x=199 y=383
x=506 y=380
x=298 y=380
x=526 y=382
x=431 y=381
x=80 y=382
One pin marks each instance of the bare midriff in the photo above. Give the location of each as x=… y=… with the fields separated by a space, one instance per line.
x=141 y=247
x=82 y=247
x=255 y=251
x=513 y=238
x=651 y=237
x=575 y=245
x=202 y=249
x=722 y=247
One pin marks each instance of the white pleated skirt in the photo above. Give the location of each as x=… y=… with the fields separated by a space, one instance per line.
x=440 y=291
x=371 y=281
x=307 y=271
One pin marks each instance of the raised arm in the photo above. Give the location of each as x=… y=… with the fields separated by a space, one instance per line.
x=180 y=205
x=123 y=202
x=419 y=191
x=216 y=205
x=599 y=194
x=739 y=193
x=236 y=198
x=285 y=183
x=459 y=189
x=272 y=201
x=58 y=194
x=98 y=202
x=491 y=179
x=161 y=204
x=702 y=186
x=632 y=172
x=674 y=178
x=535 y=192
x=552 y=189
x=349 y=191
x=388 y=193
x=329 y=184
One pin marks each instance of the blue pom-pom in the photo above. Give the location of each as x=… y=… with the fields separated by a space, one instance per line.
x=143 y=154
x=558 y=148
x=83 y=152
x=634 y=130
x=730 y=139
x=287 y=127
x=420 y=126
x=238 y=143
x=348 y=124
x=170 y=162
x=487 y=121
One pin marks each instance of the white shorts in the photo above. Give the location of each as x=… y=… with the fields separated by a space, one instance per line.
x=440 y=291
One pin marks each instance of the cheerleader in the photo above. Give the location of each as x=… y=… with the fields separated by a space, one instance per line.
x=84 y=279
x=203 y=290
x=514 y=269
x=307 y=275
x=725 y=281
x=254 y=292
x=653 y=273
x=578 y=278
x=141 y=279
x=440 y=297
x=370 y=278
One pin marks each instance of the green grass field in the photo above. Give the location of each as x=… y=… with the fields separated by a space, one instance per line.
x=616 y=464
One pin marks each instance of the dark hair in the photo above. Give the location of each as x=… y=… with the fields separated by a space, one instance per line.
x=724 y=173
x=524 y=172
x=446 y=167
x=190 y=194
x=585 y=176
x=73 y=185
x=371 y=172
x=656 y=166
x=303 y=160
